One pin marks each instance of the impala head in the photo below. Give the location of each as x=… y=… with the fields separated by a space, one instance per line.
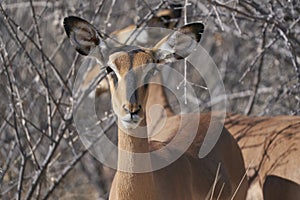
x=129 y=73
x=168 y=17
x=129 y=69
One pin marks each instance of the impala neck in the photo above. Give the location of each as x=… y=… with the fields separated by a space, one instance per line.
x=128 y=142
x=129 y=185
x=159 y=97
x=136 y=186
x=157 y=106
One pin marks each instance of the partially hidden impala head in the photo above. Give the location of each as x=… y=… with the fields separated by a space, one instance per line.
x=130 y=68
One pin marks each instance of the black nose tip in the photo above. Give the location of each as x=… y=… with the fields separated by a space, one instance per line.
x=132 y=108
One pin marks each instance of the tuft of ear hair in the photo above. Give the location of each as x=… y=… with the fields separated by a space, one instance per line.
x=82 y=34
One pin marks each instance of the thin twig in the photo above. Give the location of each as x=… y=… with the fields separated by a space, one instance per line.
x=257 y=78
x=56 y=72
x=75 y=161
x=15 y=118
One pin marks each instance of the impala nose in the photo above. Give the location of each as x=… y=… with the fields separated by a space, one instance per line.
x=132 y=109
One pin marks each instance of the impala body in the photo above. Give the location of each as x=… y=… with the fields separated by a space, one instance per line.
x=271 y=150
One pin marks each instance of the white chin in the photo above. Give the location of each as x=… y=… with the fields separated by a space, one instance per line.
x=130 y=125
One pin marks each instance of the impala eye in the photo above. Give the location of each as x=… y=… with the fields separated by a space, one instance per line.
x=113 y=75
x=108 y=70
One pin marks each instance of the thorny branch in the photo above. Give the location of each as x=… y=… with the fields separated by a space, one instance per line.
x=256 y=44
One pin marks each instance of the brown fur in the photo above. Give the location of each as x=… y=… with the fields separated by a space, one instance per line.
x=270 y=146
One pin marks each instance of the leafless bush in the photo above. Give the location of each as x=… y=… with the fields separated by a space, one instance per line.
x=255 y=45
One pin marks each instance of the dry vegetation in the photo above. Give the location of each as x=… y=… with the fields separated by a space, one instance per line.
x=255 y=45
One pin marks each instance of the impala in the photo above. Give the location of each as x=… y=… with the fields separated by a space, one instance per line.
x=271 y=148
x=217 y=176
x=164 y=18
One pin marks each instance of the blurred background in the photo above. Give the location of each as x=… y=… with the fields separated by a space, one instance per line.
x=254 y=44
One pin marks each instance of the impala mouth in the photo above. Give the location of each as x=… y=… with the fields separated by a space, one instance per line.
x=130 y=121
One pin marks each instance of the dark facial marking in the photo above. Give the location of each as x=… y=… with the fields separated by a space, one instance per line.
x=131 y=87
x=131 y=78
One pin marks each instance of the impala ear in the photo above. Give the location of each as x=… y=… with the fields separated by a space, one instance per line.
x=82 y=34
x=179 y=44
